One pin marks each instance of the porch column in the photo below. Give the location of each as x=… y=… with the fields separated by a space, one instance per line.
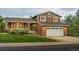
x=17 y=25
x=6 y=25
x=29 y=26
x=11 y=26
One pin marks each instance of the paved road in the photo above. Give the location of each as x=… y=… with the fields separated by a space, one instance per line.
x=70 y=47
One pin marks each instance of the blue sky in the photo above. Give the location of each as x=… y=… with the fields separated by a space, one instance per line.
x=26 y=12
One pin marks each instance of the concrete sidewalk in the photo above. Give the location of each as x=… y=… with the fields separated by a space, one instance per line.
x=35 y=44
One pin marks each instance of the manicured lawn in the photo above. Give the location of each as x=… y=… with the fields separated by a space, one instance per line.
x=6 y=38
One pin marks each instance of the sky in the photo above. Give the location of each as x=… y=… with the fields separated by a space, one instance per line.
x=26 y=12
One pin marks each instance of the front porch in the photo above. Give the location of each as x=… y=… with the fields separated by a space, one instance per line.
x=20 y=26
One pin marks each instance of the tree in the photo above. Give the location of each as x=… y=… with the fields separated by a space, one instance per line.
x=77 y=13
x=68 y=20
x=76 y=24
x=2 y=24
x=77 y=17
x=73 y=22
x=1 y=19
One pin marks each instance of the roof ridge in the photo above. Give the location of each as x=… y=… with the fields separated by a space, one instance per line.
x=17 y=17
x=47 y=12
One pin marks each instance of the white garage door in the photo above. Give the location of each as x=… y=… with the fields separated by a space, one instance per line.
x=54 y=31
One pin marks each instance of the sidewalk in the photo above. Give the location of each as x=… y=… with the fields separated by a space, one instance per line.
x=35 y=44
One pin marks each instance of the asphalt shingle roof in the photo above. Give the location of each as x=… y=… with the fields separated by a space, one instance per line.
x=24 y=20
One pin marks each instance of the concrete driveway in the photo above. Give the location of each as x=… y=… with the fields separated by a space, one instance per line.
x=66 y=39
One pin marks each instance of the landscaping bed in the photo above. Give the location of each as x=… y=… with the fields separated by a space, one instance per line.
x=11 y=38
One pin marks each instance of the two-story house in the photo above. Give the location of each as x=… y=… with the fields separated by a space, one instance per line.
x=45 y=24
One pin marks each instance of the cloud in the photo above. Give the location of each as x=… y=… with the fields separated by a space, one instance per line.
x=26 y=12
x=68 y=9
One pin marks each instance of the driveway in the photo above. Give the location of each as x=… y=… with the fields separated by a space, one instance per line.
x=67 y=39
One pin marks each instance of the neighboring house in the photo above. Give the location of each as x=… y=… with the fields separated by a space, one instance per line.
x=45 y=24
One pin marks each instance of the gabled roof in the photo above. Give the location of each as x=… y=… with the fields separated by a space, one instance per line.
x=24 y=20
x=47 y=12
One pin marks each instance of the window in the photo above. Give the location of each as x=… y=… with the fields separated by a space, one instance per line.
x=55 y=19
x=52 y=28
x=21 y=25
x=60 y=28
x=14 y=25
x=48 y=28
x=43 y=18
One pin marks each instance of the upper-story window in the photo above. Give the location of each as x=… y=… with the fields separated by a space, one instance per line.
x=43 y=18
x=55 y=19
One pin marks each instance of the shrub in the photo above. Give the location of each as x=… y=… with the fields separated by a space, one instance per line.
x=26 y=30
x=75 y=33
x=21 y=32
x=14 y=31
x=7 y=30
x=17 y=31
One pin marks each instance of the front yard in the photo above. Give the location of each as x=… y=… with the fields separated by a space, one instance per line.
x=11 y=38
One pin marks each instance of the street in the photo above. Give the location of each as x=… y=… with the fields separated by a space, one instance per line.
x=69 y=47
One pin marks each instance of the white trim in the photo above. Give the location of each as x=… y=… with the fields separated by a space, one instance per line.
x=37 y=18
x=17 y=25
x=55 y=19
x=44 y=20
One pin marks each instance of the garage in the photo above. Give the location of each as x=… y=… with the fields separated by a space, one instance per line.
x=54 y=31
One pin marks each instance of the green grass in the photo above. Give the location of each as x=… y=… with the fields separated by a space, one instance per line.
x=9 y=38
